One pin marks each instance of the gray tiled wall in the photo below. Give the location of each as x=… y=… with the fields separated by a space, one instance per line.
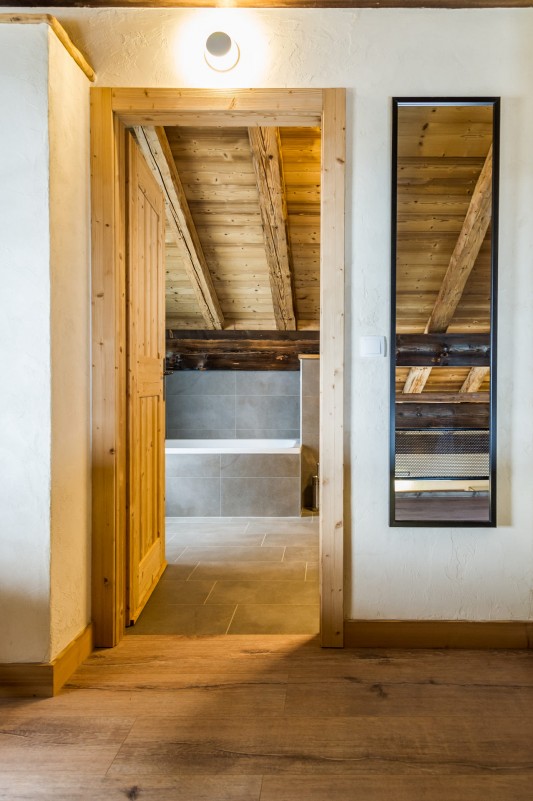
x=233 y=485
x=219 y=404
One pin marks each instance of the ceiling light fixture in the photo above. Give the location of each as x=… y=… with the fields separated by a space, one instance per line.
x=221 y=52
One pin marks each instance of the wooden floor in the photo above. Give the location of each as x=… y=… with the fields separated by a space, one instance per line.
x=275 y=718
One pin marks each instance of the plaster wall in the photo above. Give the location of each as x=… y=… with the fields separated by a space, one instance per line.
x=441 y=573
x=68 y=94
x=25 y=423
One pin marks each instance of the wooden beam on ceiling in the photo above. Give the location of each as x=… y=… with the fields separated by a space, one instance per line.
x=462 y=261
x=415 y=416
x=278 y=3
x=156 y=150
x=266 y=157
x=445 y=397
x=442 y=350
x=474 y=380
x=238 y=350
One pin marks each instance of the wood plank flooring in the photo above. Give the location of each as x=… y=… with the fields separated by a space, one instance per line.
x=275 y=718
x=236 y=576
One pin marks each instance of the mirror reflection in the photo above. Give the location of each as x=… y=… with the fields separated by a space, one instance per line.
x=445 y=156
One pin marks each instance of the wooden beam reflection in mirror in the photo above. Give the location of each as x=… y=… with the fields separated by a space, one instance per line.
x=442 y=376
x=463 y=258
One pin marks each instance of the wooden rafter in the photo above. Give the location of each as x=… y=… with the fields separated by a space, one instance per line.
x=474 y=379
x=462 y=261
x=266 y=157
x=156 y=150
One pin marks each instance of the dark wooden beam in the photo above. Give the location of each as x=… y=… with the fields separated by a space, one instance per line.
x=238 y=350
x=442 y=350
x=442 y=415
x=276 y=3
x=444 y=397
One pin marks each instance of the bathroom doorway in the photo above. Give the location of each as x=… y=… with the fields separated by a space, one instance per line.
x=113 y=112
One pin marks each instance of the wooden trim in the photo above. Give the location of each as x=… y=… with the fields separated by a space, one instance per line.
x=438 y=634
x=60 y=32
x=156 y=150
x=268 y=167
x=205 y=107
x=44 y=680
x=109 y=371
x=71 y=658
x=283 y=3
x=332 y=367
x=227 y=107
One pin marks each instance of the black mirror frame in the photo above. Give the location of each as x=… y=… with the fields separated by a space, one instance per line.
x=398 y=102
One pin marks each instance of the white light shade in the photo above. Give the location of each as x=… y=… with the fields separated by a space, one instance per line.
x=221 y=51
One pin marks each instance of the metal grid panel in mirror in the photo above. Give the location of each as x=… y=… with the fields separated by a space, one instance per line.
x=443 y=365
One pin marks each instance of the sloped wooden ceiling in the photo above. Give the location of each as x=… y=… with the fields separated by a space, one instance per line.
x=441 y=153
x=216 y=170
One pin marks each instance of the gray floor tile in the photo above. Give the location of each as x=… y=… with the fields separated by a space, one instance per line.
x=182 y=592
x=299 y=593
x=295 y=553
x=294 y=539
x=177 y=573
x=261 y=571
x=220 y=537
x=275 y=619
x=184 y=619
x=231 y=553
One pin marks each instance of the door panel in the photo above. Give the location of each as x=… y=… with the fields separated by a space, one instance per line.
x=145 y=288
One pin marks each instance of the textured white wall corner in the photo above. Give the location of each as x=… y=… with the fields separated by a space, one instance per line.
x=25 y=429
x=68 y=93
x=394 y=573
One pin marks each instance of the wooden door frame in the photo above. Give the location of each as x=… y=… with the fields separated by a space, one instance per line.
x=112 y=111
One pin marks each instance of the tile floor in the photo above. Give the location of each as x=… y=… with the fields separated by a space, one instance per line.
x=236 y=576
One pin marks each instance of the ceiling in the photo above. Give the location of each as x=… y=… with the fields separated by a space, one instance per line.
x=216 y=170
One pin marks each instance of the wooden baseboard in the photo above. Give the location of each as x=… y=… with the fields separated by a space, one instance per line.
x=438 y=634
x=44 y=680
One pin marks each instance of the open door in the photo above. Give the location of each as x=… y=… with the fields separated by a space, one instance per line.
x=145 y=294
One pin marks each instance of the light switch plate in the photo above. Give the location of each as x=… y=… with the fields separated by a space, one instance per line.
x=372 y=346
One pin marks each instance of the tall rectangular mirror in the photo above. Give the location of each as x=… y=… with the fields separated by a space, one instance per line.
x=443 y=359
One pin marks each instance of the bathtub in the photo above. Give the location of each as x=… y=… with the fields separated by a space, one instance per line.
x=232 y=446
x=233 y=478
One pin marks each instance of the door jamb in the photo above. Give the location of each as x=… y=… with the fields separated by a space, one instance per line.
x=112 y=110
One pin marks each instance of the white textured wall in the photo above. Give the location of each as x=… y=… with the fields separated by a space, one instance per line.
x=25 y=429
x=70 y=312
x=393 y=573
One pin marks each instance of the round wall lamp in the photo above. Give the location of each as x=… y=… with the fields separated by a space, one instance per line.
x=221 y=52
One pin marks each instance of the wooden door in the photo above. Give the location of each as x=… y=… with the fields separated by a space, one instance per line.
x=145 y=290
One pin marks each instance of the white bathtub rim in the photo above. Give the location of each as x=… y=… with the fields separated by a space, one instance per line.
x=237 y=446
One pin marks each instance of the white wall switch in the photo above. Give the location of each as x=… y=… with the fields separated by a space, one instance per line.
x=372 y=346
